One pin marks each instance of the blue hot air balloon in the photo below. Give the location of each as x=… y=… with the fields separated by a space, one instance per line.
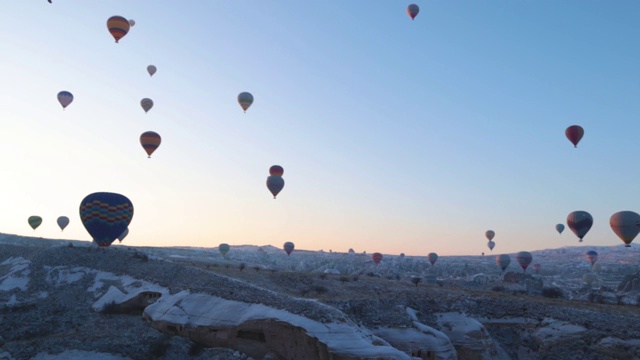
x=106 y=216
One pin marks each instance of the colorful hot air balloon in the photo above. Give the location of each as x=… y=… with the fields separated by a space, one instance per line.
x=574 y=133
x=118 y=27
x=146 y=104
x=288 y=247
x=537 y=267
x=524 y=258
x=132 y=22
x=65 y=98
x=503 y=261
x=580 y=222
x=433 y=257
x=105 y=216
x=275 y=184
x=413 y=11
x=245 y=100
x=626 y=224
x=62 y=221
x=592 y=257
x=224 y=249
x=559 y=228
x=491 y=245
x=151 y=69
x=276 y=170
x=490 y=234
x=123 y=235
x=34 y=221
x=150 y=141
x=376 y=257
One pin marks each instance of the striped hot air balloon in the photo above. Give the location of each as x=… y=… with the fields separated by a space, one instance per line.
x=245 y=100
x=118 y=27
x=150 y=141
x=580 y=223
x=626 y=224
x=106 y=216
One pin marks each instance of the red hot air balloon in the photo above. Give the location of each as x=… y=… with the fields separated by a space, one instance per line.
x=150 y=141
x=413 y=11
x=276 y=170
x=537 y=267
x=118 y=27
x=580 y=223
x=376 y=257
x=524 y=258
x=574 y=133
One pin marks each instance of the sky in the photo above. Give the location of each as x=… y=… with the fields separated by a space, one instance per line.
x=395 y=136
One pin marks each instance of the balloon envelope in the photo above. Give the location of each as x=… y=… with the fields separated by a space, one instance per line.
x=491 y=245
x=150 y=141
x=376 y=257
x=118 y=27
x=574 y=133
x=626 y=224
x=592 y=257
x=245 y=100
x=580 y=222
x=34 y=221
x=537 y=267
x=433 y=257
x=151 y=69
x=276 y=170
x=132 y=22
x=413 y=11
x=105 y=216
x=559 y=228
x=288 y=247
x=65 y=98
x=224 y=249
x=146 y=104
x=524 y=259
x=62 y=221
x=490 y=234
x=123 y=235
x=503 y=261
x=275 y=184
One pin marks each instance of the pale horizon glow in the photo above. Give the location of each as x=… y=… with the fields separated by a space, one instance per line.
x=396 y=136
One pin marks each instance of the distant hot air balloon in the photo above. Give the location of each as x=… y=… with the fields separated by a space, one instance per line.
x=288 y=247
x=245 y=100
x=433 y=257
x=580 y=222
x=151 y=69
x=574 y=133
x=626 y=224
x=559 y=228
x=62 y=221
x=503 y=261
x=490 y=234
x=589 y=278
x=276 y=170
x=413 y=11
x=224 y=249
x=592 y=257
x=65 y=98
x=524 y=258
x=123 y=235
x=146 y=104
x=105 y=216
x=376 y=257
x=118 y=27
x=34 y=221
x=150 y=141
x=491 y=244
x=132 y=22
x=537 y=267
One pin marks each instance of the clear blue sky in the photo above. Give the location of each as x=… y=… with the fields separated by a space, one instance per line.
x=395 y=135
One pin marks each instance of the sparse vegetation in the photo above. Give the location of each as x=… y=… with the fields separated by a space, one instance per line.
x=552 y=292
x=323 y=276
x=242 y=266
x=195 y=349
x=110 y=308
x=257 y=268
x=498 y=288
x=159 y=347
x=416 y=280
x=344 y=279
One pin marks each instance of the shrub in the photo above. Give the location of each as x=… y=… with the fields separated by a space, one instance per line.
x=256 y=268
x=242 y=266
x=552 y=292
x=159 y=347
x=498 y=288
x=344 y=279
x=109 y=308
x=319 y=289
x=416 y=280
x=195 y=349
x=323 y=276
x=356 y=277
x=370 y=273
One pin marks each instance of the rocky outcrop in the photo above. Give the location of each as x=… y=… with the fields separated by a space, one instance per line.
x=470 y=338
x=630 y=283
x=420 y=341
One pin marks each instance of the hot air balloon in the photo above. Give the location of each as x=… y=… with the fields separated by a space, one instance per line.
x=276 y=170
x=626 y=224
x=376 y=257
x=65 y=98
x=146 y=104
x=559 y=228
x=151 y=69
x=580 y=222
x=34 y=221
x=574 y=133
x=118 y=27
x=62 y=221
x=288 y=247
x=224 y=249
x=490 y=234
x=537 y=267
x=592 y=257
x=491 y=245
x=413 y=11
x=503 y=261
x=524 y=259
x=105 y=216
x=132 y=22
x=245 y=100
x=433 y=257
x=150 y=141
x=589 y=278
x=275 y=184
x=123 y=235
